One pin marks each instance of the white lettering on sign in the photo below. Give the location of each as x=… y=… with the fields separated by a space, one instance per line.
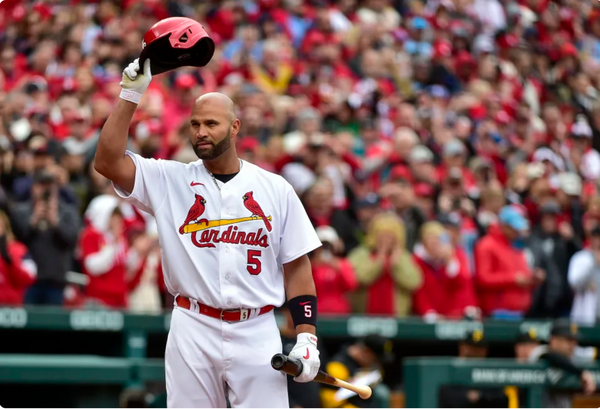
x=554 y=375
x=456 y=330
x=360 y=326
x=13 y=318
x=96 y=320
x=508 y=376
x=541 y=329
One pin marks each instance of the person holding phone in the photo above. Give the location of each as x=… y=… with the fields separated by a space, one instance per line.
x=49 y=227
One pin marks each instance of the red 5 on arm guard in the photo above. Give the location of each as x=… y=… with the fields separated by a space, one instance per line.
x=303 y=309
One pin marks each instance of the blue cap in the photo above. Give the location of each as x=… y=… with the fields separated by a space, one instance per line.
x=510 y=216
x=438 y=91
x=419 y=23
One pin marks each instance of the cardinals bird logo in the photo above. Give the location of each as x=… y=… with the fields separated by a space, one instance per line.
x=194 y=213
x=256 y=210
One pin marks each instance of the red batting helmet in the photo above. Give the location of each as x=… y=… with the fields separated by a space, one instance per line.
x=176 y=42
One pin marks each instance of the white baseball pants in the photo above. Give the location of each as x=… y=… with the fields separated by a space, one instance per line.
x=207 y=359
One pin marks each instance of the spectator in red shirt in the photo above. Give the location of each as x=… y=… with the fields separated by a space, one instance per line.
x=334 y=275
x=503 y=276
x=17 y=269
x=446 y=289
x=105 y=256
x=385 y=269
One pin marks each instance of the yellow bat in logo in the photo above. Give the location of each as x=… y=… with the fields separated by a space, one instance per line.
x=190 y=228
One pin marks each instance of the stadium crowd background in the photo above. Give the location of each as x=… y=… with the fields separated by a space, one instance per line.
x=446 y=151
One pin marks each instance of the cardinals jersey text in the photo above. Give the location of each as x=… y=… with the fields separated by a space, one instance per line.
x=224 y=247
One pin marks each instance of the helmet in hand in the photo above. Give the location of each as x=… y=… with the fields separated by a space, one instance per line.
x=176 y=42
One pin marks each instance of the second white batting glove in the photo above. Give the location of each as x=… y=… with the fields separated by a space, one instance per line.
x=306 y=351
x=134 y=83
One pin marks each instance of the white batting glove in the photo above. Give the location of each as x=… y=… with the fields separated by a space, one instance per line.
x=306 y=351
x=134 y=83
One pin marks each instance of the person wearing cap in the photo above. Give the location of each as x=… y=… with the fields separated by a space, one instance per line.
x=461 y=236
x=401 y=194
x=525 y=343
x=474 y=345
x=371 y=353
x=49 y=227
x=334 y=275
x=584 y=280
x=503 y=277
x=319 y=204
x=447 y=290
x=454 y=155
x=385 y=270
x=569 y=197
x=588 y=163
x=491 y=201
x=421 y=164
x=559 y=354
x=365 y=209
x=551 y=252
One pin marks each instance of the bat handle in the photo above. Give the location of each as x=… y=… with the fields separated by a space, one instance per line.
x=291 y=366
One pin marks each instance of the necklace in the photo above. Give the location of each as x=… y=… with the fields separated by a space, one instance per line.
x=215 y=180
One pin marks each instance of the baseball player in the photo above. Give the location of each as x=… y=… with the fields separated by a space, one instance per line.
x=234 y=241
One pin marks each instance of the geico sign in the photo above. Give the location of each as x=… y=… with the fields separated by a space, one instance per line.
x=96 y=320
x=13 y=318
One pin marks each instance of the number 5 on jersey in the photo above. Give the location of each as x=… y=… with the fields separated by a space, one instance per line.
x=254 y=266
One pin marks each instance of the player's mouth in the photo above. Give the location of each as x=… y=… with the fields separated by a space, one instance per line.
x=204 y=144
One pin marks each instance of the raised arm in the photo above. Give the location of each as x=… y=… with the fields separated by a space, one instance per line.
x=111 y=160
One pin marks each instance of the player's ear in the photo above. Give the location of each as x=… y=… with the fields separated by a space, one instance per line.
x=235 y=127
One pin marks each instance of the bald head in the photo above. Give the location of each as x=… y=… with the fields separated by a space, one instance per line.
x=218 y=101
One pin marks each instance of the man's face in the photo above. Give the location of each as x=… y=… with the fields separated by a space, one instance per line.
x=456 y=160
x=211 y=130
x=510 y=233
x=366 y=214
x=471 y=351
x=523 y=350
x=563 y=345
x=549 y=223
x=595 y=243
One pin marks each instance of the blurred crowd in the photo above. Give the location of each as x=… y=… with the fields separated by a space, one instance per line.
x=446 y=151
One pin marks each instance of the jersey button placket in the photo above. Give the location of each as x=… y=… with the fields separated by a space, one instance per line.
x=227 y=257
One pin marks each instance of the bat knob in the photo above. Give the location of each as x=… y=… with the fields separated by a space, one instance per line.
x=366 y=394
x=278 y=361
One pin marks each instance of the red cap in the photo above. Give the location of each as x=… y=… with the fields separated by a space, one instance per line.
x=185 y=81
x=248 y=143
x=502 y=118
x=423 y=190
x=400 y=172
x=507 y=41
x=477 y=112
x=442 y=49
x=568 y=50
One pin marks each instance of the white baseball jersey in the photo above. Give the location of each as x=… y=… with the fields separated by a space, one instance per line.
x=223 y=246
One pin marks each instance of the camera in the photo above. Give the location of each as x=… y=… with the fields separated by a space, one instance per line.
x=46 y=195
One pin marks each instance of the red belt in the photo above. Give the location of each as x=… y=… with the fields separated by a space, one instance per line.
x=240 y=314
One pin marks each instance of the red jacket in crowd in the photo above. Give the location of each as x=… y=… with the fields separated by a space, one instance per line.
x=17 y=277
x=497 y=264
x=108 y=282
x=332 y=285
x=446 y=290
